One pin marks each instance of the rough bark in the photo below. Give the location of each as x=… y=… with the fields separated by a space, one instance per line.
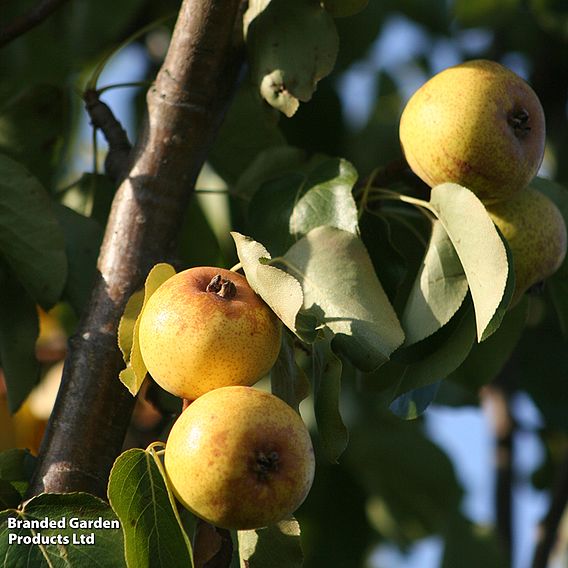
x=185 y=107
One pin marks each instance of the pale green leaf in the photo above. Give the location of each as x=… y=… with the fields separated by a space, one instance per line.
x=340 y=285
x=281 y=291
x=439 y=289
x=478 y=245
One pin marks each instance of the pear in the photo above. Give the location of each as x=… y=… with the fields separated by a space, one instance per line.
x=536 y=233
x=477 y=124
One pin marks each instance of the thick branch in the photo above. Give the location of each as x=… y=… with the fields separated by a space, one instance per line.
x=40 y=12
x=185 y=108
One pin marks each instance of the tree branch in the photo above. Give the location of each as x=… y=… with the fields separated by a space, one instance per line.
x=549 y=528
x=185 y=105
x=40 y=12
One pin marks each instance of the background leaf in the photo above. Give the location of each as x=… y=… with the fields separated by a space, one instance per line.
x=138 y=494
x=31 y=240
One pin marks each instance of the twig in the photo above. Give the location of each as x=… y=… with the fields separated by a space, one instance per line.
x=186 y=106
x=103 y=119
x=549 y=528
x=19 y=26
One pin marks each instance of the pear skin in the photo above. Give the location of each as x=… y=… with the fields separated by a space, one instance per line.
x=536 y=233
x=240 y=458
x=206 y=328
x=477 y=124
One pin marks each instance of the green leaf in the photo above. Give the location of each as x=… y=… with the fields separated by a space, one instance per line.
x=287 y=380
x=486 y=359
x=31 y=240
x=10 y=497
x=342 y=8
x=412 y=404
x=430 y=360
x=287 y=208
x=281 y=291
x=292 y=44
x=410 y=482
x=340 y=284
x=557 y=284
x=326 y=377
x=470 y=546
x=133 y=376
x=16 y=468
x=19 y=329
x=269 y=164
x=32 y=125
x=277 y=546
x=479 y=247
x=106 y=550
x=139 y=495
x=250 y=127
x=83 y=237
x=439 y=289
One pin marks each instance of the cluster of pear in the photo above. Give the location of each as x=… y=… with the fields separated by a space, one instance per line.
x=480 y=125
x=237 y=457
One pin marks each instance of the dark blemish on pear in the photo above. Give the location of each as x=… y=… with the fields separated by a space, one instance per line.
x=223 y=287
x=519 y=122
x=265 y=464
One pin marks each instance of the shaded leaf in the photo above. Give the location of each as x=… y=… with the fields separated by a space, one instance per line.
x=31 y=240
x=479 y=247
x=287 y=380
x=326 y=377
x=439 y=289
x=412 y=404
x=342 y=8
x=339 y=281
x=83 y=237
x=16 y=467
x=277 y=546
x=107 y=549
x=19 y=329
x=139 y=495
x=292 y=44
x=269 y=164
x=287 y=208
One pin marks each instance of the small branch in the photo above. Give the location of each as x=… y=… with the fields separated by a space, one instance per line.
x=119 y=148
x=40 y=12
x=548 y=533
x=186 y=106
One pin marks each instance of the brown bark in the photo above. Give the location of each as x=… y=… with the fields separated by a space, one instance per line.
x=185 y=108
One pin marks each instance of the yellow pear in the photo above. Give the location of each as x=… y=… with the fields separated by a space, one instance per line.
x=240 y=458
x=477 y=124
x=206 y=328
x=536 y=233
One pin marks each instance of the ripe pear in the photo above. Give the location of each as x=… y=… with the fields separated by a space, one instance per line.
x=477 y=124
x=536 y=233
x=206 y=328
x=240 y=458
